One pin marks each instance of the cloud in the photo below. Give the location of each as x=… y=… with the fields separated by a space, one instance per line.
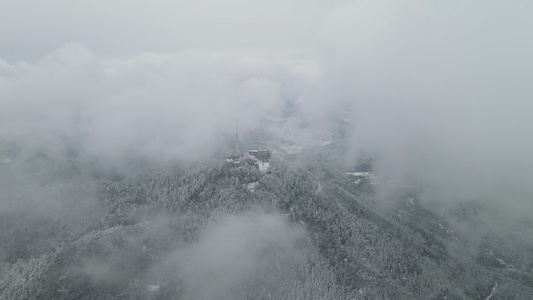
x=118 y=27
x=163 y=107
x=230 y=253
x=439 y=91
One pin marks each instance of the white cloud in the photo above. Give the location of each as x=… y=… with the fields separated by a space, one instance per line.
x=438 y=89
x=118 y=27
x=232 y=250
x=161 y=106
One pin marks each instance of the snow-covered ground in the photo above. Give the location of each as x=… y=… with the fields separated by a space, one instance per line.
x=292 y=148
x=293 y=143
x=251 y=186
x=153 y=287
x=6 y=161
x=319 y=188
x=493 y=290
x=374 y=179
x=359 y=174
x=264 y=166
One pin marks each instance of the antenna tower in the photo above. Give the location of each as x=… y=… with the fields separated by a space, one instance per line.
x=237 y=151
x=261 y=143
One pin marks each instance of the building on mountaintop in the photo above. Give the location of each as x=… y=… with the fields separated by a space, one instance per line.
x=261 y=155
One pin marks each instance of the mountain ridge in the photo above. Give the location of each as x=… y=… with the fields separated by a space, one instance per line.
x=363 y=250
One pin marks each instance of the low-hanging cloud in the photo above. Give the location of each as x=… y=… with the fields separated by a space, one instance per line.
x=231 y=252
x=440 y=92
x=162 y=107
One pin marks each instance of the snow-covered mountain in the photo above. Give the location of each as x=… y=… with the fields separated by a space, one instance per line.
x=303 y=230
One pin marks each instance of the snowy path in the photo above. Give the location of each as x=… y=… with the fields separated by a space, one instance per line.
x=493 y=290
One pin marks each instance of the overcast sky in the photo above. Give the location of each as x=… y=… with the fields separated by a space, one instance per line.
x=33 y=28
x=441 y=89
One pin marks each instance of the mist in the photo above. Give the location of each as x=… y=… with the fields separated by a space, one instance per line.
x=235 y=252
x=160 y=106
x=437 y=94
x=439 y=91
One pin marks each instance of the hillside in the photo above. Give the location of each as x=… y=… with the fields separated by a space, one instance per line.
x=302 y=230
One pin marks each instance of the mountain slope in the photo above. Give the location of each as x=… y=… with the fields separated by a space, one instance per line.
x=303 y=230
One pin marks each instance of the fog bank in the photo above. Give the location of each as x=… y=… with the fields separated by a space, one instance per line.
x=438 y=93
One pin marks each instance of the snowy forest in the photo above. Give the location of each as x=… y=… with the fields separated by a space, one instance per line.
x=208 y=230
x=281 y=149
